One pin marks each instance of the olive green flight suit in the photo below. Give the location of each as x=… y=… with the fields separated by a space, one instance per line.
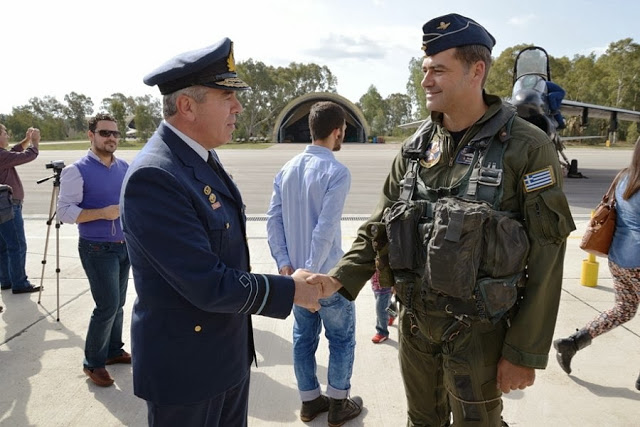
x=459 y=376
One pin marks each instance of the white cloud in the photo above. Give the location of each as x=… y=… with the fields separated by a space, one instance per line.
x=522 y=21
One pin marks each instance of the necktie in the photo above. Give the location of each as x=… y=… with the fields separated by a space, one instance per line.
x=214 y=165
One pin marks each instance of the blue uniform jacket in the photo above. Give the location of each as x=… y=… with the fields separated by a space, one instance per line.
x=185 y=230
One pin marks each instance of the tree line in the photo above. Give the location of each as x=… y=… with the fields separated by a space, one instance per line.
x=612 y=79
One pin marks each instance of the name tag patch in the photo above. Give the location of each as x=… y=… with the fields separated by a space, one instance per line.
x=539 y=179
x=465 y=156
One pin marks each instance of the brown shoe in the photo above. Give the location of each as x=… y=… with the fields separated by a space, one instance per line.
x=100 y=376
x=123 y=358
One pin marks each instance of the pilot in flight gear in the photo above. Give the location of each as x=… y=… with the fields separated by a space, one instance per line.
x=456 y=340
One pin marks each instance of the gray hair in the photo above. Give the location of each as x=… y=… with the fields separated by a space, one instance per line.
x=169 y=108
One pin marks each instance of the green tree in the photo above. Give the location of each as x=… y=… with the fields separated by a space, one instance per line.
x=272 y=88
x=147 y=116
x=621 y=63
x=119 y=106
x=398 y=109
x=415 y=91
x=20 y=119
x=374 y=110
x=48 y=113
x=78 y=108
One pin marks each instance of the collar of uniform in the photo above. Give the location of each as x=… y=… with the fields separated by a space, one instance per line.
x=199 y=149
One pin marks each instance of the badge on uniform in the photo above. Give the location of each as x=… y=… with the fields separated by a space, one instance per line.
x=206 y=190
x=433 y=154
x=465 y=156
x=539 y=179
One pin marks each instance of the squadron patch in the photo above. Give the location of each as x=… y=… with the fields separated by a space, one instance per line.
x=433 y=154
x=539 y=179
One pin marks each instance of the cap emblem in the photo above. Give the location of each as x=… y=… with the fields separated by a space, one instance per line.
x=443 y=25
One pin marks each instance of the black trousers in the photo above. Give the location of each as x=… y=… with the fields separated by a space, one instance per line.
x=227 y=409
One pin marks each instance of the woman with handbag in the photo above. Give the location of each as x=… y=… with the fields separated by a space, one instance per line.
x=624 y=264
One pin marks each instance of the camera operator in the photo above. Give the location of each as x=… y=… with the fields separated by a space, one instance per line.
x=89 y=196
x=13 y=243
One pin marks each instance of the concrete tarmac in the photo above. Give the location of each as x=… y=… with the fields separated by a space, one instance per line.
x=41 y=378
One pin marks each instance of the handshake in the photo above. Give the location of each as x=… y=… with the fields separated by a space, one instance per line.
x=310 y=287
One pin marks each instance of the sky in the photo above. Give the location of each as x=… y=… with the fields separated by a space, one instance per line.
x=99 y=48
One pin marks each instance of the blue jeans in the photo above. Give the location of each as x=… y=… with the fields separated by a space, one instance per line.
x=382 y=317
x=339 y=318
x=107 y=267
x=13 y=251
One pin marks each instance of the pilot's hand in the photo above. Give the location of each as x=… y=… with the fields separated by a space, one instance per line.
x=287 y=270
x=111 y=212
x=514 y=377
x=328 y=284
x=306 y=295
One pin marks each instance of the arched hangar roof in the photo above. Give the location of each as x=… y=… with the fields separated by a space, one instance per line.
x=292 y=125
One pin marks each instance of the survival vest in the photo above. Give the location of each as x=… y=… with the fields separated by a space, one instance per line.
x=470 y=256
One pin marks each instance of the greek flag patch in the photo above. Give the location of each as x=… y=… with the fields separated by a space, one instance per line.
x=539 y=179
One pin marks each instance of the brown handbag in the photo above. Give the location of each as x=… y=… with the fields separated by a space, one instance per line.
x=599 y=234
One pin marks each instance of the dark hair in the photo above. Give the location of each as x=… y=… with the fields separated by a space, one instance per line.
x=473 y=53
x=324 y=118
x=93 y=121
x=633 y=172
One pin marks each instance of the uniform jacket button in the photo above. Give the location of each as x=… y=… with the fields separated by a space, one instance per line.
x=198 y=328
x=226 y=225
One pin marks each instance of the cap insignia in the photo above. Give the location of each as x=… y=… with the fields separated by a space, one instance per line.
x=443 y=26
x=231 y=63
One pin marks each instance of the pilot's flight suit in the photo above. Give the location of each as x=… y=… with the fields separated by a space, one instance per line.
x=438 y=375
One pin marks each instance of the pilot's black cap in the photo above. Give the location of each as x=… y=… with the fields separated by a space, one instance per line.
x=211 y=66
x=453 y=30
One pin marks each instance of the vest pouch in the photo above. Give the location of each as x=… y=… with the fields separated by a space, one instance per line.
x=498 y=295
x=406 y=247
x=454 y=249
x=506 y=247
x=6 y=203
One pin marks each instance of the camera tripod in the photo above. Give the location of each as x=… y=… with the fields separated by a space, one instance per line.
x=52 y=214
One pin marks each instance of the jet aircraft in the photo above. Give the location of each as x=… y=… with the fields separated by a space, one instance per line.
x=540 y=101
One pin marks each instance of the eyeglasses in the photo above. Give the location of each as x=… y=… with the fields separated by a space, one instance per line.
x=107 y=133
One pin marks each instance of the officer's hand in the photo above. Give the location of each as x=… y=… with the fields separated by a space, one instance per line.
x=328 y=284
x=306 y=295
x=287 y=270
x=514 y=377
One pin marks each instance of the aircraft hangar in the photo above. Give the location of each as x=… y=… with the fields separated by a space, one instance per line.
x=292 y=125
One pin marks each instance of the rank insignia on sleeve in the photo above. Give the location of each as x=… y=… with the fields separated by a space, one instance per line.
x=539 y=179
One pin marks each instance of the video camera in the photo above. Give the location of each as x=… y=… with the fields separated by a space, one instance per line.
x=56 y=165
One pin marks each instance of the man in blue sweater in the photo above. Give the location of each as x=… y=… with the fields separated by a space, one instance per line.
x=89 y=196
